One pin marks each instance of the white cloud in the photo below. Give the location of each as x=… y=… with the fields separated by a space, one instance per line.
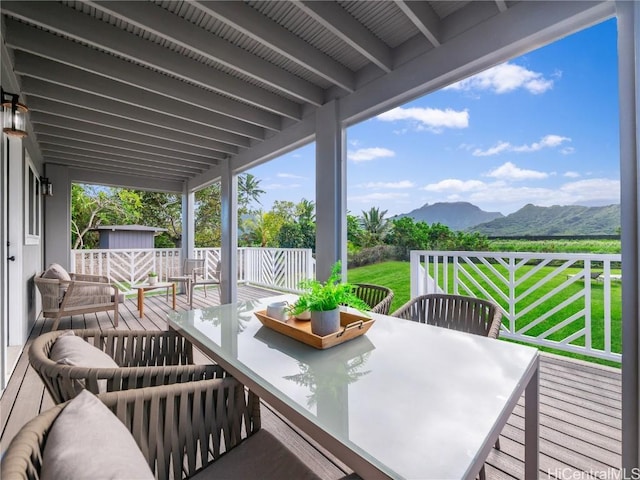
x=500 y=196
x=289 y=175
x=509 y=171
x=281 y=186
x=567 y=150
x=505 y=78
x=548 y=141
x=593 y=189
x=366 y=154
x=455 y=185
x=432 y=119
x=571 y=174
x=400 y=184
x=495 y=150
x=378 y=196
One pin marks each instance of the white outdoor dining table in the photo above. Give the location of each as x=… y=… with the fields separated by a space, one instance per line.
x=406 y=400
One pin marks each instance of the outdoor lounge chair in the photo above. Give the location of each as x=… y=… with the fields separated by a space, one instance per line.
x=378 y=298
x=206 y=429
x=65 y=294
x=140 y=359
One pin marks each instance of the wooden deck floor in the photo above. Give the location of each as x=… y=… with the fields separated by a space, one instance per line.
x=580 y=411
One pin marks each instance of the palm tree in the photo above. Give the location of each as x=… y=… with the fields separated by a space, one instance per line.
x=375 y=225
x=249 y=189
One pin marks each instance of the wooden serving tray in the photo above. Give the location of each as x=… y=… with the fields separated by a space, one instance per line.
x=352 y=326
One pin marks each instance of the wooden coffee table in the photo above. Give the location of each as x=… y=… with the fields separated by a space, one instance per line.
x=147 y=287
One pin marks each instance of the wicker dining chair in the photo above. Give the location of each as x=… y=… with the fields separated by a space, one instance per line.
x=181 y=429
x=141 y=359
x=457 y=312
x=378 y=298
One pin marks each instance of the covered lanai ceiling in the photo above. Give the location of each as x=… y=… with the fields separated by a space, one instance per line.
x=168 y=89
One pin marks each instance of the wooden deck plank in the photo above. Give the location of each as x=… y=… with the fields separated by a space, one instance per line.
x=579 y=402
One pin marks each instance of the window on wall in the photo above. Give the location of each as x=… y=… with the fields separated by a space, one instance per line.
x=32 y=205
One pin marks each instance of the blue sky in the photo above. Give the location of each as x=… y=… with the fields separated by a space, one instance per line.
x=541 y=129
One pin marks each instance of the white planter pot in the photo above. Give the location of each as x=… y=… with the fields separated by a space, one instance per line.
x=306 y=315
x=152 y=280
x=325 y=323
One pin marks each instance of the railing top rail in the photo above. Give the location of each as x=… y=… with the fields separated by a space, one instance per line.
x=614 y=257
x=106 y=250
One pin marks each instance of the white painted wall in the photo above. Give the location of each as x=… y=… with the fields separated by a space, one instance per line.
x=57 y=223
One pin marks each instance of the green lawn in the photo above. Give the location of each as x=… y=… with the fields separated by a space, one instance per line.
x=396 y=275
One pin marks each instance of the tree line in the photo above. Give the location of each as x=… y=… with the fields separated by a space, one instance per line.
x=371 y=236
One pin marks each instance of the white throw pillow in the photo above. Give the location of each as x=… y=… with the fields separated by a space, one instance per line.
x=72 y=350
x=87 y=441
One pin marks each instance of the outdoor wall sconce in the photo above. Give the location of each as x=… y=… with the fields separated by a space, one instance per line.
x=46 y=187
x=14 y=115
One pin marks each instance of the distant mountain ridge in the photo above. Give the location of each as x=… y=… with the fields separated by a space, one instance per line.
x=455 y=215
x=555 y=220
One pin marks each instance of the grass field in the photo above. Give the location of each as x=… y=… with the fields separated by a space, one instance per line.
x=555 y=246
x=396 y=275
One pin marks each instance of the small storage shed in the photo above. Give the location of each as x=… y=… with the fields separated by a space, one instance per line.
x=127 y=236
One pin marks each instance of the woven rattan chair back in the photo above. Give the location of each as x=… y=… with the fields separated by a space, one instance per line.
x=145 y=358
x=457 y=312
x=378 y=298
x=208 y=418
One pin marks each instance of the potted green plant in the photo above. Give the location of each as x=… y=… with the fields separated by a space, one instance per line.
x=323 y=300
x=153 y=278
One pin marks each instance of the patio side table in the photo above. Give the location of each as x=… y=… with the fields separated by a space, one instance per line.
x=146 y=287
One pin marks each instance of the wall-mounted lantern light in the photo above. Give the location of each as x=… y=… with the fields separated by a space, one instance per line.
x=46 y=187
x=14 y=115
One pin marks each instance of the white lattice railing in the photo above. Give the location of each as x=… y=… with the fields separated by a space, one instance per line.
x=570 y=302
x=127 y=267
x=280 y=268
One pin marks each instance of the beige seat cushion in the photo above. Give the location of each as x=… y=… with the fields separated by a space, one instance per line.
x=260 y=457
x=87 y=441
x=69 y=349
x=57 y=272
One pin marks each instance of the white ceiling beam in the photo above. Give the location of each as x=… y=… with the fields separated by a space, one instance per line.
x=165 y=24
x=105 y=160
x=64 y=134
x=114 y=161
x=114 y=134
x=90 y=149
x=80 y=175
x=502 y=5
x=101 y=166
x=250 y=22
x=65 y=96
x=97 y=118
x=424 y=18
x=338 y=21
x=41 y=76
x=48 y=45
